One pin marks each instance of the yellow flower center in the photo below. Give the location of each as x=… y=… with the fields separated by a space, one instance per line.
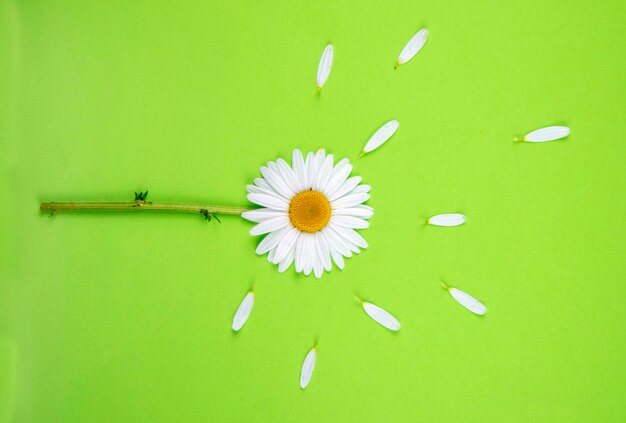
x=309 y=211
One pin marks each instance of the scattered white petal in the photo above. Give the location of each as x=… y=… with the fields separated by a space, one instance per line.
x=381 y=316
x=307 y=367
x=467 y=301
x=550 y=133
x=243 y=312
x=380 y=136
x=414 y=45
x=323 y=69
x=448 y=219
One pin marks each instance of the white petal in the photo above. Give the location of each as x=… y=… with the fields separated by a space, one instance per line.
x=297 y=163
x=381 y=316
x=338 y=177
x=334 y=239
x=307 y=368
x=381 y=135
x=323 y=175
x=349 y=235
x=300 y=253
x=260 y=215
x=288 y=175
x=286 y=244
x=286 y=262
x=262 y=183
x=414 y=45
x=310 y=257
x=550 y=133
x=271 y=240
x=356 y=211
x=349 y=221
x=255 y=189
x=269 y=201
x=467 y=301
x=308 y=266
x=345 y=188
x=449 y=219
x=243 y=312
x=273 y=177
x=350 y=200
x=271 y=257
x=337 y=258
x=286 y=259
x=318 y=269
x=334 y=253
x=310 y=170
x=270 y=225
x=313 y=166
x=323 y=251
x=360 y=189
x=326 y=63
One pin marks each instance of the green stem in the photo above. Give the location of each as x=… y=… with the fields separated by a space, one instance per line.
x=139 y=205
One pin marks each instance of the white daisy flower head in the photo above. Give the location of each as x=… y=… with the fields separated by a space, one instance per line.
x=310 y=211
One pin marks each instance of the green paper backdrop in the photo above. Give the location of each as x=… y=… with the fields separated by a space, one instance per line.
x=126 y=317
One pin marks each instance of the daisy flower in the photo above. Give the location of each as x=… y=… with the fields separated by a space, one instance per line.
x=310 y=212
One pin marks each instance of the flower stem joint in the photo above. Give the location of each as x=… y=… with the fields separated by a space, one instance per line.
x=141 y=196
x=208 y=216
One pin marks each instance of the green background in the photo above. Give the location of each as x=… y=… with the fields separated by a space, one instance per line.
x=126 y=317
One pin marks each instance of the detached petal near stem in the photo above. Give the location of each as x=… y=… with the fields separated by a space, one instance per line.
x=413 y=47
x=324 y=67
x=381 y=136
x=549 y=133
